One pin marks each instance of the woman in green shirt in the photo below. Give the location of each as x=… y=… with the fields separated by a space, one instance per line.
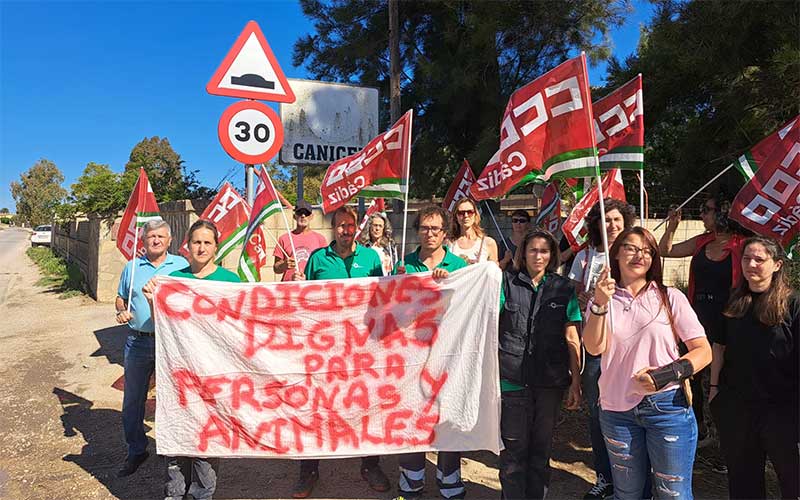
x=187 y=475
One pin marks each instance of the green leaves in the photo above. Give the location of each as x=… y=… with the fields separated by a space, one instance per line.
x=38 y=193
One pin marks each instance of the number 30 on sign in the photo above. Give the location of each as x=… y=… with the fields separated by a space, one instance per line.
x=250 y=132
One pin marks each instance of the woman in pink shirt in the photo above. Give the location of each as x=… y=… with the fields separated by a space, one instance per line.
x=644 y=411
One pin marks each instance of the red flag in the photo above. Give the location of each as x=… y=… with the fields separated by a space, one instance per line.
x=547 y=127
x=460 y=186
x=549 y=215
x=619 y=127
x=376 y=171
x=769 y=204
x=230 y=213
x=141 y=208
x=574 y=227
x=378 y=205
x=254 y=252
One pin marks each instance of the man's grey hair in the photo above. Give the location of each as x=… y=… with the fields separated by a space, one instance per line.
x=154 y=224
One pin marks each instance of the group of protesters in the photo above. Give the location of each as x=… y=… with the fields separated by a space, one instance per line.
x=638 y=353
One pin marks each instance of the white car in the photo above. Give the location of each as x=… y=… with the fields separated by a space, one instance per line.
x=42 y=235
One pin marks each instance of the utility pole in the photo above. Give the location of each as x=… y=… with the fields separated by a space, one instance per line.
x=394 y=76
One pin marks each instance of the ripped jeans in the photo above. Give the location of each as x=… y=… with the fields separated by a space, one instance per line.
x=662 y=426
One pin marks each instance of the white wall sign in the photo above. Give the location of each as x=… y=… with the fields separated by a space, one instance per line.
x=328 y=121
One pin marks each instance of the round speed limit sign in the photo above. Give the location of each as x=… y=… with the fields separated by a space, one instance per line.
x=251 y=132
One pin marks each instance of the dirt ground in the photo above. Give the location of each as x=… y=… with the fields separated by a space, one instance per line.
x=61 y=433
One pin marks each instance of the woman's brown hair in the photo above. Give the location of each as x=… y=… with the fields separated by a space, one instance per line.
x=771 y=306
x=455 y=227
x=654 y=274
x=555 y=257
x=203 y=224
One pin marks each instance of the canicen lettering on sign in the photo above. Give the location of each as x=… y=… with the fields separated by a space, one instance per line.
x=328 y=121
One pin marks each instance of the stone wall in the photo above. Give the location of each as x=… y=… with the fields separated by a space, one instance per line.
x=91 y=242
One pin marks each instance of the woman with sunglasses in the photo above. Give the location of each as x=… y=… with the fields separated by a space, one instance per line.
x=754 y=383
x=520 y=225
x=539 y=362
x=378 y=236
x=713 y=272
x=467 y=238
x=644 y=411
x=195 y=475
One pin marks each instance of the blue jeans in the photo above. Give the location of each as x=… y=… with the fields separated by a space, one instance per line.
x=661 y=427
x=591 y=392
x=140 y=353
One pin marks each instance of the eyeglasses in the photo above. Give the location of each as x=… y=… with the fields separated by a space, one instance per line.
x=707 y=209
x=302 y=213
x=519 y=221
x=464 y=213
x=434 y=230
x=629 y=249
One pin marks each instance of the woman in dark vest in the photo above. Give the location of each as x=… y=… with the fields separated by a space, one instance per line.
x=539 y=361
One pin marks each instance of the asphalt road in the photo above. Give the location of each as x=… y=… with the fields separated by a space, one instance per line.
x=13 y=243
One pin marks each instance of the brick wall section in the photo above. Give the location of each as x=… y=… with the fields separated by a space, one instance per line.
x=91 y=242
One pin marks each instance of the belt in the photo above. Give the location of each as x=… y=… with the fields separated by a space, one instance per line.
x=143 y=334
x=705 y=297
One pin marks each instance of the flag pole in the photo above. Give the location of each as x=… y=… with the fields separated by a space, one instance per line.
x=690 y=198
x=133 y=260
x=641 y=198
x=283 y=213
x=408 y=185
x=496 y=225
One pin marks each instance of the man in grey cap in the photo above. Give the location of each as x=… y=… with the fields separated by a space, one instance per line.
x=305 y=241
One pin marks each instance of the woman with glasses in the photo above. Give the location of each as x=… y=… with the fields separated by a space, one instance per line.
x=713 y=272
x=520 y=225
x=539 y=362
x=378 y=236
x=467 y=238
x=644 y=410
x=754 y=382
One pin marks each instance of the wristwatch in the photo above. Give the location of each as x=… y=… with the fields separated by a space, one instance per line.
x=598 y=309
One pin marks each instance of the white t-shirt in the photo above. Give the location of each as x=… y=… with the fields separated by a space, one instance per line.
x=587 y=266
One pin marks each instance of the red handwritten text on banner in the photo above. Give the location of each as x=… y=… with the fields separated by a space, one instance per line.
x=328 y=368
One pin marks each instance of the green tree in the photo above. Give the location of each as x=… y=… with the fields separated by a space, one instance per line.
x=718 y=77
x=38 y=192
x=461 y=61
x=98 y=190
x=168 y=175
x=4 y=210
x=285 y=181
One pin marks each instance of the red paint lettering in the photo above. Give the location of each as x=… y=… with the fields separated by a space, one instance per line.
x=365 y=435
x=272 y=391
x=337 y=368
x=299 y=428
x=226 y=310
x=392 y=332
x=165 y=290
x=382 y=292
x=395 y=422
x=215 y=428
x=362 y=362
x=389 y=395
x=324 y=342
x=395 y=365
x=203 y=305
x=354 y=296
x=326 y=400
x=353 y=336
x=427 y=328
x=358 y=394
x=296 y=396
x=436 y=387
x=340 y=430
x=312 y=362
x=242 y=391
x=426 y=423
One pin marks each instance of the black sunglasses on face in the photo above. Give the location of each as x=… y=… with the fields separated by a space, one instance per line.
x=302 y=213
x=519 y=221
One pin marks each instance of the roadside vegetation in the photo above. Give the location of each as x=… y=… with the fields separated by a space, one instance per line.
x=58 y=275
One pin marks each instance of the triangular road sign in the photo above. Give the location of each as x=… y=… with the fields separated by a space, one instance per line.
x=250 y=70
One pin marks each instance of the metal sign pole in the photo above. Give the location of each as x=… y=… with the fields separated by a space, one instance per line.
x=249 y=184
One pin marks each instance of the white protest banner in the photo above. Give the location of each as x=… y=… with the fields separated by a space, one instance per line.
x=367 y=366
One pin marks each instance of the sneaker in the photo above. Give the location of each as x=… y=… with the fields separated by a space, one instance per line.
x=305 y=484
x=376 y=479
x=601 y=489
x=131 y=464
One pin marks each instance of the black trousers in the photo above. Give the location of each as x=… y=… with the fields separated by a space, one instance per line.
x=312 y=464
x=748 y=435
x=527 y=423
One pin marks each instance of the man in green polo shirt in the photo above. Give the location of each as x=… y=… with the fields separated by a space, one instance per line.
x=343 y=258
x=431 y=225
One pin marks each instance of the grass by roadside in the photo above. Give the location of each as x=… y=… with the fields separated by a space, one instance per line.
x=60 y=276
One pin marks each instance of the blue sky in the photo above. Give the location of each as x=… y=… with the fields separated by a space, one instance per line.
x=84 y=82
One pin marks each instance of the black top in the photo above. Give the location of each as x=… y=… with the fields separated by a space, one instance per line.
x=761 y=362
x=712 y=288
x=511 y=248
